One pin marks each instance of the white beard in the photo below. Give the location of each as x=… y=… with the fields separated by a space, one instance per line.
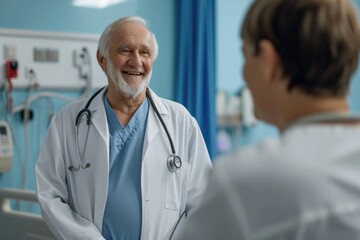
x=124 y=87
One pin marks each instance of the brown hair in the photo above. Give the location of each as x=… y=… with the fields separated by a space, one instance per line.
x=318 y=41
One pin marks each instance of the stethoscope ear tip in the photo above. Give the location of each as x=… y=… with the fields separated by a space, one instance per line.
x=72 y=168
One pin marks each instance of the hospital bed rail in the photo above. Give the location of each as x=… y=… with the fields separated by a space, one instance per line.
x=17 y=224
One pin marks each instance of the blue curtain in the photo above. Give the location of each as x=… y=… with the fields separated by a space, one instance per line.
x=196 y=65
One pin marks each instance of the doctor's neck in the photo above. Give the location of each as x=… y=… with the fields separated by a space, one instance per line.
x=123 y=106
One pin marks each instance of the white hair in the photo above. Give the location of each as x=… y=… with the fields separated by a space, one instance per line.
x=103 y=44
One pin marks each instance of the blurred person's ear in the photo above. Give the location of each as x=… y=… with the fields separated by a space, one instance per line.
x=270 y=60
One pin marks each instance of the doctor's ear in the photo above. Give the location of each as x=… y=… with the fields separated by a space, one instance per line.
x=271 y=61
x=101 y=60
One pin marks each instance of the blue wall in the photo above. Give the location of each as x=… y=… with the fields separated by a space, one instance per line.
x=61 y=16
x=230 y=61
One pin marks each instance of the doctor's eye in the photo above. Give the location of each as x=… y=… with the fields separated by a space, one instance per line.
x=125 y=51
x=145 y=53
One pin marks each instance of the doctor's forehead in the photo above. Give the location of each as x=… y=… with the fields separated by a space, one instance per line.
x=128 y=33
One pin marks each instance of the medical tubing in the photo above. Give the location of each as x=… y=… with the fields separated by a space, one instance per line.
x=20 y=107
x=148 y=94
x=26 y=139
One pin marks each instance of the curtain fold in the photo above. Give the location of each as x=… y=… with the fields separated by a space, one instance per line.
x=196 y=64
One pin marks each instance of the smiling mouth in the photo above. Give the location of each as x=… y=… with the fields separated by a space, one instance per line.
x=133 y=73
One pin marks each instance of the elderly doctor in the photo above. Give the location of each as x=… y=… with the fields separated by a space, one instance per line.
x=131 y=164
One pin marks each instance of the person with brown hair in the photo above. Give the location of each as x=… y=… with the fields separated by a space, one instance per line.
x=299 y=59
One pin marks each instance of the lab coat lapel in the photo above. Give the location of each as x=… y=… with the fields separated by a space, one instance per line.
x=99 y=116
x=153 y=124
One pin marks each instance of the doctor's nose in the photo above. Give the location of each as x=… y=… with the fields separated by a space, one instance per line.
x=135 y=60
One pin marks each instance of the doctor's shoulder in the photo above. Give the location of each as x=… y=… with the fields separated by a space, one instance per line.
x=250 y=161
x=70 y=110
x=178 y=111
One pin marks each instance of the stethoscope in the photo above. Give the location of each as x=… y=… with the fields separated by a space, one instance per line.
x=173 y=162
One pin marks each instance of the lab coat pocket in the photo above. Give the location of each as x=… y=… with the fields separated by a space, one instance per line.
x=176 y=187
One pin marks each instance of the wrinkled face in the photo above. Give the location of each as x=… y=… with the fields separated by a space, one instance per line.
x=130 y=58
x=130 y=89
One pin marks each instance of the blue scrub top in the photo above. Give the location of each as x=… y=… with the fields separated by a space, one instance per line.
x=122 y=217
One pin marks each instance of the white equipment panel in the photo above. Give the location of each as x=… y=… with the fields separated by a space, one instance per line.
x=50 y=58
x=6 y=147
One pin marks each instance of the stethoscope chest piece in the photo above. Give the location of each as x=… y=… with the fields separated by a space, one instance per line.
x=174 y=163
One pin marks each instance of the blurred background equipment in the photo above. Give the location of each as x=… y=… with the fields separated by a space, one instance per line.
x=6 y=147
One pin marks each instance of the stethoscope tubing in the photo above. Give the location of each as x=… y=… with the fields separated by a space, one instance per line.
x=173 y=162
x=86 y=110
x=148 y=94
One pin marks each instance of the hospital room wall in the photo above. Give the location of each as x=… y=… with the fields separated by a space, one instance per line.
x=61 y=16
x=229 y=72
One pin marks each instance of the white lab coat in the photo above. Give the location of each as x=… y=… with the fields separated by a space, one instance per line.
x=304 y=185
x=72 y=203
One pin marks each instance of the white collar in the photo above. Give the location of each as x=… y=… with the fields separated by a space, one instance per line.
x=326 y=117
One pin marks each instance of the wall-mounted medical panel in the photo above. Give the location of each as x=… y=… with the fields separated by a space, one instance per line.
x=49 y=59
